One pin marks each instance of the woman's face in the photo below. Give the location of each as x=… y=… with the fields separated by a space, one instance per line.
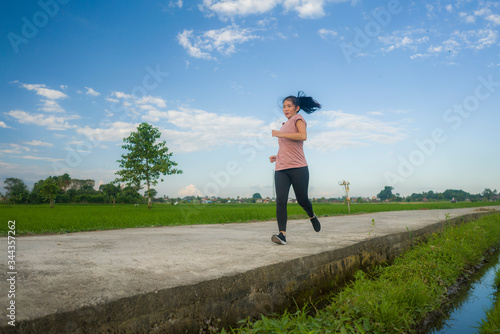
x=290 y=109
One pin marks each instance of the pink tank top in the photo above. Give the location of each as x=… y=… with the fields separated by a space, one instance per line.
x=290 y=152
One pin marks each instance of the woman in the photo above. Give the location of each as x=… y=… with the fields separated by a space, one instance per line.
x=291 y=166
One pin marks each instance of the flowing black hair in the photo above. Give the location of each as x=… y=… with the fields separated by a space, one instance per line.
x=306 y=103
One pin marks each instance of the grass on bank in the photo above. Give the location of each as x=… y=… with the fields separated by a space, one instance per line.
x=64 y=218
x=492 y=322
x=396 y=298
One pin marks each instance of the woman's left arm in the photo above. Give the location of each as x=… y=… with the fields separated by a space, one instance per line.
x=301 y=135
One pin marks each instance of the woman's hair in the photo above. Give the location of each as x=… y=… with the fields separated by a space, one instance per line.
x=306 y=103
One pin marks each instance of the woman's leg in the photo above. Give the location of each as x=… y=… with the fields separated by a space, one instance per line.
x=282 y=182
x=300 y=183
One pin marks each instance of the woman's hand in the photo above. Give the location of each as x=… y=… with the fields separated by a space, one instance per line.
x=272 y=158
x=277 y=133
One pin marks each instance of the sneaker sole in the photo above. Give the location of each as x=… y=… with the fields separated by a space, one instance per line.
x=277 y=240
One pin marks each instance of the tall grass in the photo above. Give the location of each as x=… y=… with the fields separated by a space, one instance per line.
x=394 y=299
x=492 y=322
x=35 y=219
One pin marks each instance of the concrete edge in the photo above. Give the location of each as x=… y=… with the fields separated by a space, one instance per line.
x=222 y=302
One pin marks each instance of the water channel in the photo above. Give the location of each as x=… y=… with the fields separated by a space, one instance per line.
x=472 y=302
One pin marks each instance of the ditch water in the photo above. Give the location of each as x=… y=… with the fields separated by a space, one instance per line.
x=471 y=302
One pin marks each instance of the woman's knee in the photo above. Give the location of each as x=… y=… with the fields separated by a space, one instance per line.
x=281 y=202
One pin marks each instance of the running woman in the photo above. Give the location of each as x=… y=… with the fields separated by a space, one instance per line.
x=291 y=165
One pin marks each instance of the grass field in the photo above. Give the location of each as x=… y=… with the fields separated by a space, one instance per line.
x=39 y=219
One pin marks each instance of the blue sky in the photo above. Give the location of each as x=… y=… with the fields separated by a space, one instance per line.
x=410 y=91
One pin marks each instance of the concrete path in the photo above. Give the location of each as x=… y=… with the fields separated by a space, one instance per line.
x=59 y=274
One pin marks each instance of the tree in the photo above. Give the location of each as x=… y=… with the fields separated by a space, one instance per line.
x=17 y=191
x=146 y=159
x=49 y=188
x=35 y=196
x=129 y=195
x=63 y=181
x=110 y=190
x=488 y=194
x=386 y=193
x=257 y=196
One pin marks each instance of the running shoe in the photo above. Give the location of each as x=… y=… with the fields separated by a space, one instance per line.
x=316 y=224
x=280 y=239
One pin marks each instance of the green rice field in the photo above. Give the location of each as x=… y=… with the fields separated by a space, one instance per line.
x=40 y=219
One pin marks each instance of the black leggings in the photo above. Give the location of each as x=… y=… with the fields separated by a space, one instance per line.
x=299 y=179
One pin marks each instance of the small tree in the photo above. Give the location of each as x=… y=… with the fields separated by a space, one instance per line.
x=49 y=188
x=488 y=194
x=257 y=196
x=63 y=181
x=146 y=159
x=110 y=190
x=386 y=193
x=16 y=190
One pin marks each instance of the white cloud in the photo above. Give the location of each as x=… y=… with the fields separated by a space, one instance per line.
x=435 y=49
x=184 y=39
x=404 y=39
x=306 y=8
x=309 y=9
x=41 y=90
x=189 y=190
x=326 y=33
x=417 y=39
x=231 y=8
x=31 y=157
x=135 y=106
x=121 y=95
x=155 y=115
x=494 y=18
x=112 y=100
x=7 y=166
x=338 y=130
x=51 y=122
x=449 y=8
x=3 y=125
x=474 y=39
x=467 y=18
x=38 y=143
x=400 y=111
x=190 y=130
x=51 y=106
x=419 y=55
x=114 y=132
x=177 y=3
x=222 y=40
x=91 y=91
x=12 y=148
x=108 y=113
x=159 y=102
